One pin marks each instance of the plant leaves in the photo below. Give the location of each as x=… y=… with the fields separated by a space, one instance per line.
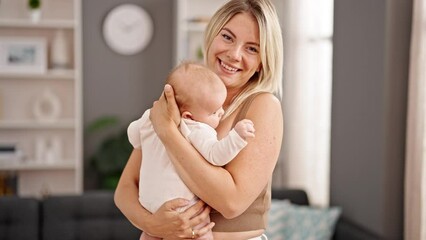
x=111 y=156
x=101 y=124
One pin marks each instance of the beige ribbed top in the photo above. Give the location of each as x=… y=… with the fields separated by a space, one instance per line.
x=256 y=215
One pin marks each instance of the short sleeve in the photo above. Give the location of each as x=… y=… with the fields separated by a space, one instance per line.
x=134 y=129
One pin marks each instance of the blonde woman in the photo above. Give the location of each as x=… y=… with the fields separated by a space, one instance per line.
x=199 y=93
x=243 y=45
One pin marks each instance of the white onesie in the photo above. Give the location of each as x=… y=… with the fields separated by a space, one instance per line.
x=158 y=180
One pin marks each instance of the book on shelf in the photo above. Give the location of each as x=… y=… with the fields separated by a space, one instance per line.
x=8 y=184
x=10 y=153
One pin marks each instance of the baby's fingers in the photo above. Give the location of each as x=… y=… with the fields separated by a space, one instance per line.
x=247 y=121
x=249 y=135
x=250 y=128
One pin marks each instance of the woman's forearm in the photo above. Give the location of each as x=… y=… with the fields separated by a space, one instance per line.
x=126 y=199
x=214 y=185
x=232 y=189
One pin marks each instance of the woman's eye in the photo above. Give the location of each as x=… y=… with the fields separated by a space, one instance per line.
x=253 y=49
x=226 y=36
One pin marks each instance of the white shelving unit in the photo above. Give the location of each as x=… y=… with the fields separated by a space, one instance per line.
x=27 y=23
x=56 y=168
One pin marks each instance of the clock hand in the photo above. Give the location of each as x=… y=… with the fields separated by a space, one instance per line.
x=126 y=25
x=122 y=25
x=134 y=23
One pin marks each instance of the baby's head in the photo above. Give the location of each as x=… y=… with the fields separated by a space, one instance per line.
x=199 y=93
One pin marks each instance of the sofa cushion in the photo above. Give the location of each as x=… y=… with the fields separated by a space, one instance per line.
x=92 y=215
x=289 y=221
x=348 y=230
x=296 y=196
x=19 y=218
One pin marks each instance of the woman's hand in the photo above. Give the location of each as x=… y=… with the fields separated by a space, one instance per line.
x=165 y=111
x=169 y=223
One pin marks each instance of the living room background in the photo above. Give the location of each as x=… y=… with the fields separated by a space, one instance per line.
x=370 y=56
x=367 y=135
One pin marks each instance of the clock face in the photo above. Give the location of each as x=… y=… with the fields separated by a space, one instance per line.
x=127 y=29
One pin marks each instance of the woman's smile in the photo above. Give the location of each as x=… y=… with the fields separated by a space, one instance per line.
x=228 y=68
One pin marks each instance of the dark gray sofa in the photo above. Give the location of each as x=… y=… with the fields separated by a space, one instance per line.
x=91 y=216
x=94 y=216
x=345 y=230
x=19 y=218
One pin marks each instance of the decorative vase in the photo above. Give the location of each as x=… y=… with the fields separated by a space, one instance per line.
x=48 y=150
x=35 y=15
x=47 y=107
x=35 y=10
x=40 y=148
x=59 y=52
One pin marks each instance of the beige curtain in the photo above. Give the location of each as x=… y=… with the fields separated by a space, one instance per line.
x=305 y=162
x=415 y=175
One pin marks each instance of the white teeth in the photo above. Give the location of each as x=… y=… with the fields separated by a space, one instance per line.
x=228 y=67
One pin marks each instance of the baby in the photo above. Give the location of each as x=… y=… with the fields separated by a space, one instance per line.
x=200 y=94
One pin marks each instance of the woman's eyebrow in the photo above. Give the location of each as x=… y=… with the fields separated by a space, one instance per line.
x=233 y=35
x=229 y=31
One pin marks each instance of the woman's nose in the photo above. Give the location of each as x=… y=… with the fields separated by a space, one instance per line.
x=234 y=53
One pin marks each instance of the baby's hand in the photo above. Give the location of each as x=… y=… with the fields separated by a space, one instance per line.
x=245 y=128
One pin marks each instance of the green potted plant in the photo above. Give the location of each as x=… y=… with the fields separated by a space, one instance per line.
x=112 y=152
x=35 y=10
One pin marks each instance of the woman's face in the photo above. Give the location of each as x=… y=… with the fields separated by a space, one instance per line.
x=234 y=53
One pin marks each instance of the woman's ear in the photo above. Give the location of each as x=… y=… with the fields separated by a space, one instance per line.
x=187 y=115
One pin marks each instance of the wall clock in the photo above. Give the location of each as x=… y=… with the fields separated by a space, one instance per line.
x=127 y=29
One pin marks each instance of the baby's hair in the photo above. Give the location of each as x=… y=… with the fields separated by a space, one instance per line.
x=189 y=76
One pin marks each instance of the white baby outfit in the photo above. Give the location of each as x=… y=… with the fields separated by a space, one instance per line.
x=159 y=182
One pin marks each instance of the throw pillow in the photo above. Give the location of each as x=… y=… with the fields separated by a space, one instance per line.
x=288 y=221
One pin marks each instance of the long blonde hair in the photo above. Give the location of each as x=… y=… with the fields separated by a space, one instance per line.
x=269 y=78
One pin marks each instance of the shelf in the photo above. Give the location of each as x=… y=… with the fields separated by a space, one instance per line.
x=26 y=23
x=34 y=124
x=32 y=165
x=194 y=27
x=20 y=90
x=50 y=74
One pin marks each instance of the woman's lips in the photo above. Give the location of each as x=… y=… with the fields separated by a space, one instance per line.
x=228 y=68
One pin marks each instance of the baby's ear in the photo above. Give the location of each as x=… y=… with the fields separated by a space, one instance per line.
x=187 y=115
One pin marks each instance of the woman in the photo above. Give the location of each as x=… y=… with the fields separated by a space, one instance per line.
x=243 y=45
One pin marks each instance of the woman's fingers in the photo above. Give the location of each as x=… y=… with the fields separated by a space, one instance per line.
x=185 y=222
x=165 y=108
x=169 y=93
x=197 y=213
x=171 y=103
x=202 y=231
x=176 y=204
x=195 y=209
x=201 y=216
